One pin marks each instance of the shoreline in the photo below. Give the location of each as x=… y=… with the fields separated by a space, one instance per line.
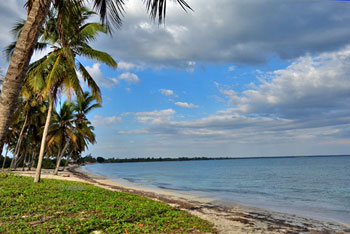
x=226 y=217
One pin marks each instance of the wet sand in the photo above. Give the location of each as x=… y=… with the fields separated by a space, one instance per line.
x=226 y=217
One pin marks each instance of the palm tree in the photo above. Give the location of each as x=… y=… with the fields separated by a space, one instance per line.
x=82 y=131
x=61 y=131
x=57 y=72
x=37 y=11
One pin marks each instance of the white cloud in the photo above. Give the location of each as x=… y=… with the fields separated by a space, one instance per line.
x=129 y=77
x=231 y=68
x=310 y=86
x=186 y=105
x=167 y=92
x=155 y=117
x=307 y=103
x=100 y=79
x=243 y=32
x=107 y=121
x=129 y=66
x=125 y=66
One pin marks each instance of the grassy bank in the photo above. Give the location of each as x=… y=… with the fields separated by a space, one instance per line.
x=57 y=206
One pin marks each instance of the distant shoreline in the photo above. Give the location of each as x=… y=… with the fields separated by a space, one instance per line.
x=181 y=159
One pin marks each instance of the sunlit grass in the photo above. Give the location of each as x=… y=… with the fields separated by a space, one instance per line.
x=57 y=206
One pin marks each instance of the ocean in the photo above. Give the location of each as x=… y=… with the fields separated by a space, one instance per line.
x=317 y=187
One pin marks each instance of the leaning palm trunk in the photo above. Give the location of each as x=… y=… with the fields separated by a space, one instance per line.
x=43 y=142
x=67 y=161
x=3 y=163
x=19 y=142
x=60 y=157
x=19 y=63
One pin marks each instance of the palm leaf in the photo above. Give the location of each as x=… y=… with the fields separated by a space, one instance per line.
x=99 y=56
x=95 y=90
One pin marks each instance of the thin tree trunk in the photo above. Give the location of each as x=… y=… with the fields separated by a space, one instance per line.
x=24 y=161
x=3 y=163
x=18 y=66
x=31 y=161
x=43 y=142
x=18 y=159
x=60 y=157
x=12 y=161
x=20 y=138
x=66 y=164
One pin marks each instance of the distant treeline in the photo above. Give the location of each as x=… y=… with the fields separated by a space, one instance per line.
x=90 y=159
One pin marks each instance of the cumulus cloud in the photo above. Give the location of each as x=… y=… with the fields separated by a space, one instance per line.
x=130 y=78
x=106 y=121
x=308 y=101
x=186 y=105
x=100 y=79
x=167 y=92
x=244 y=32
x=316 y=86
x=129 y=66
x=155 y=117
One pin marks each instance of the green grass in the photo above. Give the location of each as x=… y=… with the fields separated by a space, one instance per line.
x=57 y=206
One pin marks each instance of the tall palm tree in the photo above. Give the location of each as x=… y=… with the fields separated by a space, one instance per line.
x=57 y=72
x=110 y=11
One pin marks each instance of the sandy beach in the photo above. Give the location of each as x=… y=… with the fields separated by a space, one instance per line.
x=226 y=217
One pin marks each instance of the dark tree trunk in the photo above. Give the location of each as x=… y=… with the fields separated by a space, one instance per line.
x=19 y=62
x=31 y=161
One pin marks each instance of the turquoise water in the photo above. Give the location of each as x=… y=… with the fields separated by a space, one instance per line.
x=317 y=187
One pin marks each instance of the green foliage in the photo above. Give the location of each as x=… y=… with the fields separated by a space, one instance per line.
x=48 y=164
x=57 y=206
x=100 y=159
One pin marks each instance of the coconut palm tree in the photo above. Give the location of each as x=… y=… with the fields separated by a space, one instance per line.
x=61 y=130
x=110 y=11
x=56 y=73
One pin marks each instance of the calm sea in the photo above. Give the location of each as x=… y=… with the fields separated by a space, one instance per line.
x=317 y=187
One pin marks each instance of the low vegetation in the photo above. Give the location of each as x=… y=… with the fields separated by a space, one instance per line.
x=57 y=206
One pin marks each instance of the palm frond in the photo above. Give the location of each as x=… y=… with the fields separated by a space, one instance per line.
x=157 y=8
x=111 y=11
x=99 y=56
x=89 y=31
x=95 y=90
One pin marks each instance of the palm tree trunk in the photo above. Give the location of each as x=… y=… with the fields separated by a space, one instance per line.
x=12 y=161
x=18 y=66
x=60 y=157
x=3 y=163
x=19 y=142
x=24 y=161
x=31 y=161
x=66 y=164
x=43 y=142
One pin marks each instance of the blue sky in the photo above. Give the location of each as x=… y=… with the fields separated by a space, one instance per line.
x=232 y=78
